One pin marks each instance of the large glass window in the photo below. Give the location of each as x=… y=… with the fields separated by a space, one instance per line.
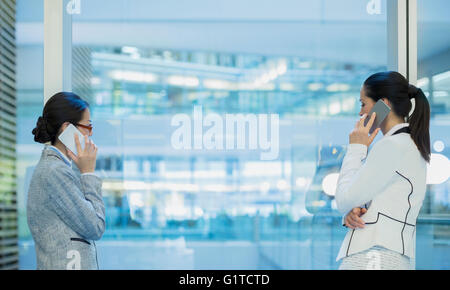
x=141 y=64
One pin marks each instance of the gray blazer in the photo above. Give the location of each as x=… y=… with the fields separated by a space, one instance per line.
x=65 y=214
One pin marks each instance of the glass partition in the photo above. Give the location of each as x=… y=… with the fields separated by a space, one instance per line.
x=142 y=65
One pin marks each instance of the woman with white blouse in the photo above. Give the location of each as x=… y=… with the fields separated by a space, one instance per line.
x=380 y=192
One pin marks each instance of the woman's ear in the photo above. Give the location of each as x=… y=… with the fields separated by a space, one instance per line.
x=63 y=127
x=386 y=101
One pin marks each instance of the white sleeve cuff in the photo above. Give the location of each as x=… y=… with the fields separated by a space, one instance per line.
x=90 y=173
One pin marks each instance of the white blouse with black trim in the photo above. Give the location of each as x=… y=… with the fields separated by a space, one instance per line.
x=391 y=183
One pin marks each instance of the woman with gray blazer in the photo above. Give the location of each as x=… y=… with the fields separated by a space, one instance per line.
x=65 y=210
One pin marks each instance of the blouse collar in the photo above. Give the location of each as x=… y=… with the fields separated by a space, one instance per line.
x=395 y=128
x=64 y=157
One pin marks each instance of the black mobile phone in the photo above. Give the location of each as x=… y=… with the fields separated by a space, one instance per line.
x=382 y=111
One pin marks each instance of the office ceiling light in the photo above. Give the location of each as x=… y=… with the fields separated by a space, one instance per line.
x=338 y=87
x=219 y=188
x=315 y=87
x=438 y=146
x=129 y=49
x=249 y=187
x=210 y=174
x=271 y=74
x=95 y=81
x=304 y=65
x=214 y=84
x=334 y=108
x=423 y=83
x=301 y=182
x=133 y=76
x=183 y=81
x=266 y=78
x=329 y=183
x=282 y=68
x=282 y=184
x=287 y=87
x=441 y=77
x=265 y=186
x=198 y=211
x=136 y=185
x=135 y=199
x=255 y=86
x=438 y=170
x=348 y=104
x=319 y=203
x=440 y=94
x=132 y=51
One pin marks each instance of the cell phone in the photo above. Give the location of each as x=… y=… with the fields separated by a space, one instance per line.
x=67 y=137
x=382 y=111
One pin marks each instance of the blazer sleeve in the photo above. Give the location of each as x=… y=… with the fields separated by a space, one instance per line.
x=359 y=182
x=78 y=202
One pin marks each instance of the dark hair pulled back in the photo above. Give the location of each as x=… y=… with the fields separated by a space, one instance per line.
x=396 y=88
x=60 y=108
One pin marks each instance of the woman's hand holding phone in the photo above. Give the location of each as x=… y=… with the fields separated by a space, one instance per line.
x=360 y=135
x=85 y=158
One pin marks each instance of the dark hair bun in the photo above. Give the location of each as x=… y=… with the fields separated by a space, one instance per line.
x=41 y=133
